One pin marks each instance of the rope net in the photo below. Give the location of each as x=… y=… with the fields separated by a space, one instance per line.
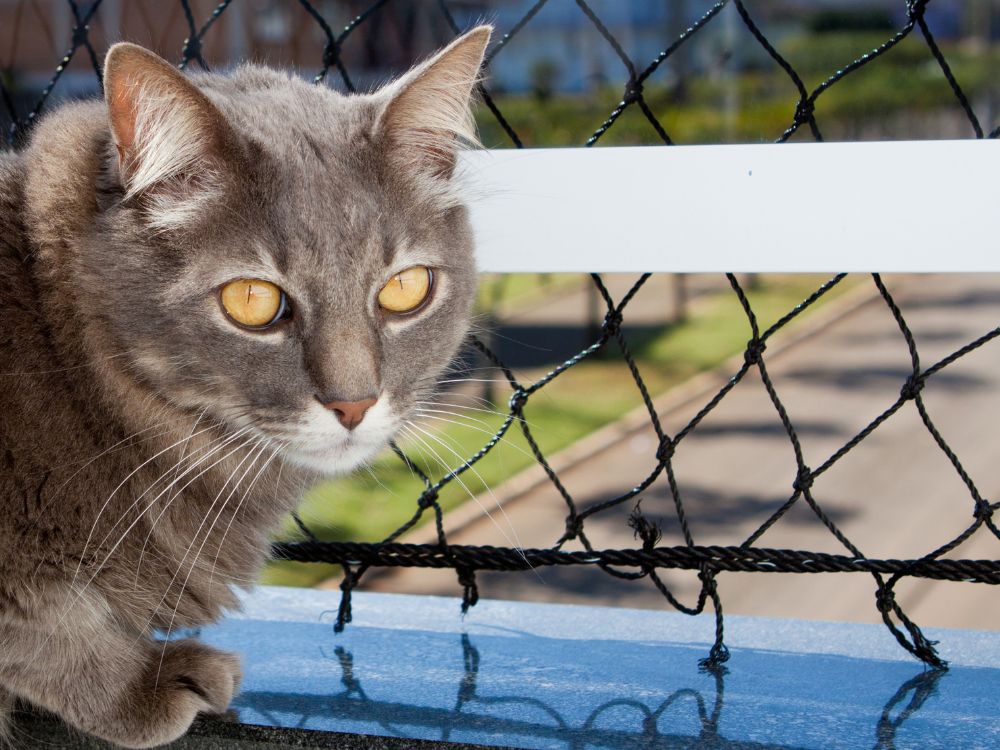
x=648 y=557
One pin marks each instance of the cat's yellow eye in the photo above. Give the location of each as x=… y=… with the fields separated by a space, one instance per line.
x=253 y=303
x=406 y=291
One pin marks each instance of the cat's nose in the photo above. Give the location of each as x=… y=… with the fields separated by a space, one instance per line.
x=350 y=413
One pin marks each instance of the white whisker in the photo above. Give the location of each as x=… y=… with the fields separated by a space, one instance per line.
x=214 y=450
x=259 y=447
x=93 y=528
x=80 y=592
x=513 y=542
x=477 y=380
x=246 y=494
x=490 y=433
x=495 y=412
x=424 y=410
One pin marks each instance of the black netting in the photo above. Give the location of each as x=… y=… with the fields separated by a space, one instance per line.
x=649 y=556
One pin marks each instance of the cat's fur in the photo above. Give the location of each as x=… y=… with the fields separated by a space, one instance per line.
x=141 y=433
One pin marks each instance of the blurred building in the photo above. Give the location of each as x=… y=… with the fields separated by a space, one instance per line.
x=560 y=48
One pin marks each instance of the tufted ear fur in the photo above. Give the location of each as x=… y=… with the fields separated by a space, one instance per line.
x=429 y=109
x=171 y=140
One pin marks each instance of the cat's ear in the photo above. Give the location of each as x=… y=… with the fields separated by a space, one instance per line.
x=170 y=138
x=429 y=110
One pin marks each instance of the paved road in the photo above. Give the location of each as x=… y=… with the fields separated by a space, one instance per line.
x=894 y=496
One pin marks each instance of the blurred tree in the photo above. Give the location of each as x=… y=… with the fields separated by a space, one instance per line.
x=677 y=24
x=544 y=78
x=849 y=19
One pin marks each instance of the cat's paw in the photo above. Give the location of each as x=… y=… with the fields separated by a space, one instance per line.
x=211 y=676
x=183 y=679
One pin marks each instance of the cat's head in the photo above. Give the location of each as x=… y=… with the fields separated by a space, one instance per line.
x=292 y=262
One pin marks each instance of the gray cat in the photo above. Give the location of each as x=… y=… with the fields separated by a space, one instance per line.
x=211 y=288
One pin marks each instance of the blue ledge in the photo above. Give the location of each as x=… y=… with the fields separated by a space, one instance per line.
x=560 y=676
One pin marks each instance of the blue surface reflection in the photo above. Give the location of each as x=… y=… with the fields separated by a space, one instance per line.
x=502 y=686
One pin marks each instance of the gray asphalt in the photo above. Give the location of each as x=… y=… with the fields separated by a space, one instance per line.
x=896 y=495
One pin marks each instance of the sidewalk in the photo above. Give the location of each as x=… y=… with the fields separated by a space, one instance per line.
x=896 y=495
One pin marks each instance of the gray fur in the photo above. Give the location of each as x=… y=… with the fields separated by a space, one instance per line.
x=118 y=373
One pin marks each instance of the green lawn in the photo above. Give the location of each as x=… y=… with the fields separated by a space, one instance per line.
x=368 y=506
x=505 y=292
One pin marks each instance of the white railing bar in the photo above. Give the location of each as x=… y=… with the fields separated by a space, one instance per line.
x=904 y=206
